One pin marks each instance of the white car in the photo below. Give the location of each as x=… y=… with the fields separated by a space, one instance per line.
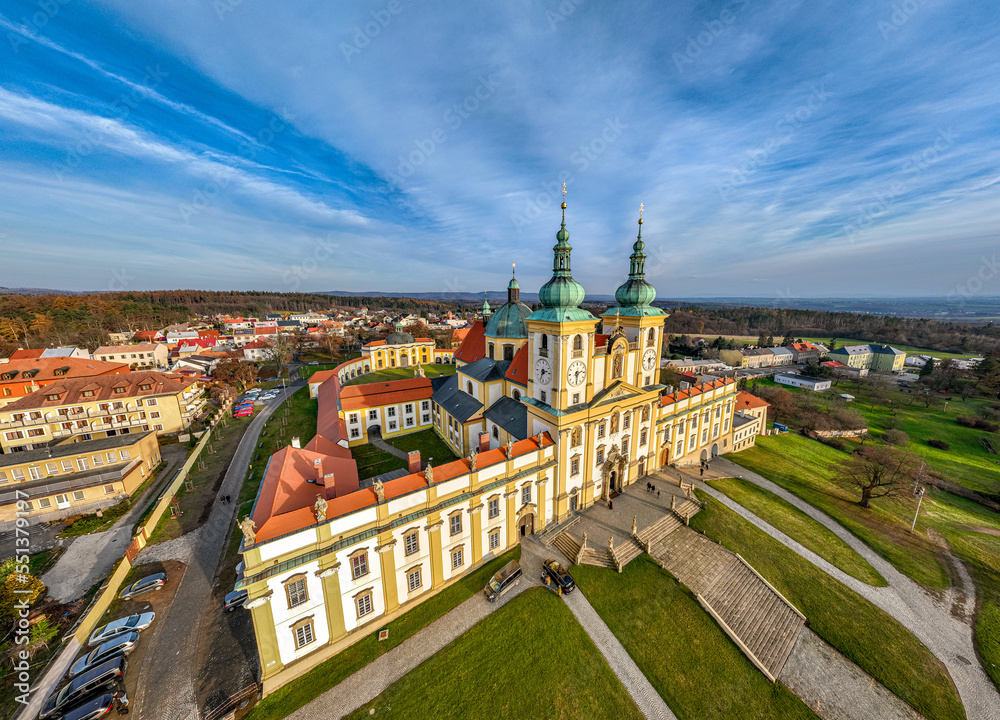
x=120 y=627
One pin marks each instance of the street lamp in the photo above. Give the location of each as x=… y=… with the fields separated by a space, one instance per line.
x=919 y=492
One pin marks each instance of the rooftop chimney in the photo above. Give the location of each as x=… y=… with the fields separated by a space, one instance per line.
x=296 y=443
x=413 y=459
x=318 y=467
x=484 y=442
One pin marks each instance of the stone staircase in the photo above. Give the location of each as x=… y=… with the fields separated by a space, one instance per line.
x=598 y=556
x=567 y=545
x=692 y=558
x=648 y=537
x=627 y=552
x=756 y=616
x=686 y=510
x=551 y=532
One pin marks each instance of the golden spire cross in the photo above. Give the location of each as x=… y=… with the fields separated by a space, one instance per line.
x=564 y=192
x=641 y=208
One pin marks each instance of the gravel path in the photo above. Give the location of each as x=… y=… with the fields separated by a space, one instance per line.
x=928 y=617
x=645 y=696
x=180 y=549
x=90 y=557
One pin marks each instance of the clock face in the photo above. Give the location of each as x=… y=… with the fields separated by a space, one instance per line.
x=577 y=373
x=543 y=371
x=649 y=359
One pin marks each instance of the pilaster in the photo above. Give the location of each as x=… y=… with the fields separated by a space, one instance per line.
x=477 y=532
x=434 y=533
x=332 y=598
x=267 y=635
x=387 y=563
x=511 y=497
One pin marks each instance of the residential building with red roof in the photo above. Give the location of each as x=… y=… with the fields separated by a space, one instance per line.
x=22 y=377
x=142 y=356
x=401 y=349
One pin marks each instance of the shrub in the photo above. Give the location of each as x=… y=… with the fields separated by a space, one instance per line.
x=978 y=423
x=939 y=444
x=835 y=442
x=967 y=420
x=896 y=437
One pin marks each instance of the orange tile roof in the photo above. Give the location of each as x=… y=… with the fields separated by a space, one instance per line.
x=368 y=395
x=70 y=390
x=26 y=354
x=694 y=390
x=76 y=368
x=746 y=401
x=322 y=376
x=473 y=347
x=375 y=342
x=518 y=370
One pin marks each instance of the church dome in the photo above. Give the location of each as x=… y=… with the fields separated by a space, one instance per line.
x=635 y=294
x=561 y=295
x=508 y=321
x=399 y=337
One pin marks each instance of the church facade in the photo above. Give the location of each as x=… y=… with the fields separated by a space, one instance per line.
x=550 y=410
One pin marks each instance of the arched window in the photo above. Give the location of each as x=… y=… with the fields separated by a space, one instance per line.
x=545 y=342
x=652 y=337
x=496 y=432
x=491 y=351
x=578 y=342
x=508 y=352
x=468 y=387
x=516 y=394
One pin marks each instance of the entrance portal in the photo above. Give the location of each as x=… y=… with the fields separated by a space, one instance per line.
x=526 y=525
x=404 y=360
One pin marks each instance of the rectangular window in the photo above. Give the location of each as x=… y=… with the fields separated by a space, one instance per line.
x=542 y=394
x=626 y=419
x=391 y=412
x=576 y=398
x=526 y=493
x=35 y=472
x=694 y=441
x=109 y=489
x=393 y=425
x=67 y=465
x=600 y=456
x=409 y=422
x=18 y=474
x=680 y=427
x=408 y=408
x=413 y=579
x=3 y=476
x=81 y=463
x=574 y=466
x=704 y=435
x=124 y=455
x=642 y=438
x=455 y=522
x=78 y=495
x=98 y=460
x=625 y=446
x=44 y=503
x=493 y=506
x=411 y=543
x=494 y=540
x=51 y=468
x=359 y=565
x=303 y=635
x=456 y=558
x=355 y=433
x=297 y=593
x=151 y=401
x=425 y=405
x=600 y=430
x=158 y=427
x=364 y=605
x=426 y=418
x=354 y=417
x=36 y=432
x=373 y=414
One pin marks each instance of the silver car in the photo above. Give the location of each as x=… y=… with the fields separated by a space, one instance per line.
x=121 y=645
x=121 y=626
x=147 y=584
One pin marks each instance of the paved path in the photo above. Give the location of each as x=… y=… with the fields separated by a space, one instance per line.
x=90 y=557
x=375 y=678
x=648 y=700
x=925 y=615
x=375 y=438
x=166 y=689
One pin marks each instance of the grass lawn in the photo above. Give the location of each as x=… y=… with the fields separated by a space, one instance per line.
x=197 y=504
x=802 y=466
x=331 y=672
x=390 y=374
x=799 y=526
x=529 y=659
x=372 y=461
x=862 y=632
x=686 y=656
x=981 y=553
x=428 y=443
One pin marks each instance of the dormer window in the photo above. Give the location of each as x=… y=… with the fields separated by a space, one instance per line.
x=88 y=393
x=120 y=390
x=52 y=398
x=147 y=386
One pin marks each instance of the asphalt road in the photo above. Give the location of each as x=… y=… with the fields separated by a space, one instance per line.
x=166 y=687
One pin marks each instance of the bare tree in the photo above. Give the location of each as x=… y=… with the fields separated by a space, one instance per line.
x=877 y=472
x=277 y=353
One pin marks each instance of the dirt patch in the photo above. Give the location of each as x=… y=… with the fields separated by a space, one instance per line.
x=980 y=529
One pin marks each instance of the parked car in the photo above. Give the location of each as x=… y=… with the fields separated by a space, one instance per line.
x=235 y=599
x=147 y=584
x=121 y=645
x=84 y=687
x=121 y=625
x=98 y=706
x=557 y=576
x=243 y=413
x=314 y=363
x=507 y=577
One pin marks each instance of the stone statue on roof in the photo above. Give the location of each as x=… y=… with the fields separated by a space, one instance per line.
x=510 y=449
x=379 y=488
x=429 y=474
x=249 y=528
x=320 y=507
x=538 y=438
x=472 y=461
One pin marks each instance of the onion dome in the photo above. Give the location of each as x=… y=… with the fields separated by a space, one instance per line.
x=561 y=296
x=486 y=307
x=636 y=294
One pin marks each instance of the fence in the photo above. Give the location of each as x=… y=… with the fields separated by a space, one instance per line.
x=110 y=590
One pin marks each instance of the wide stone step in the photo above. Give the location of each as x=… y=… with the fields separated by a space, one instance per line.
x=601 y=558
x=567 y=545
x=659 y=530
x=627 y=552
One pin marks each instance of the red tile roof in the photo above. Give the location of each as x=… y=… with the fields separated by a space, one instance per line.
x=46 y=375
x=321 y=377
x=746 y=401
x=26 y=354
x=833 y=364
x=474 y=346
x=695 y=390
x=518 y=370
x=368 y=395
x=146 y=334
x=70 y=390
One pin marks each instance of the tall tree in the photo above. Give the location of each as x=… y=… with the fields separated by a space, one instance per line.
x=928 y=368
x=877 y=471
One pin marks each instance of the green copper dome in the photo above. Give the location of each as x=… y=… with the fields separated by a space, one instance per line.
x=561 y=296
x=509 y=320
x=399 y=337
x=635 y=295
x=486 y=306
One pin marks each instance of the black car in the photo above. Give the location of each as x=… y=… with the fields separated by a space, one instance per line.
x=96 y=707
x=559 y=578
x=85 y=687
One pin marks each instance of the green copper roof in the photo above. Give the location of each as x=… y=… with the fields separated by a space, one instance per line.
x=399 y=337
x=486 y=305
x=635 y=294
x=562 y=294
x=508 y=321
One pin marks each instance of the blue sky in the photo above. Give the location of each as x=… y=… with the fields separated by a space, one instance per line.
x=781 y=149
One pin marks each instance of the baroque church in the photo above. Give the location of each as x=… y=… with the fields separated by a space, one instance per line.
x=548 y=416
